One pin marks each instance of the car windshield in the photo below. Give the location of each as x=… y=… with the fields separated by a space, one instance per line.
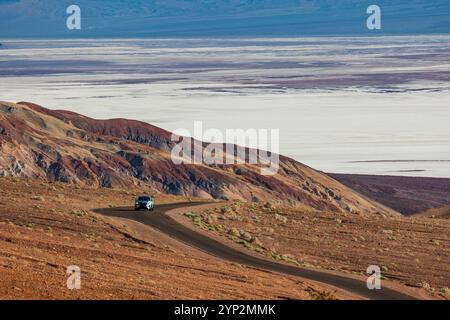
x=144 y=199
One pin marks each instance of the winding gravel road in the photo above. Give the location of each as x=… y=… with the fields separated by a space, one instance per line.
x=162 y=222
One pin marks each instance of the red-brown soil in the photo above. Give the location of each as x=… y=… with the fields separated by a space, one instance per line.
x=46 y=227
x=57 y=162
x=407 y=195
x=411 y=251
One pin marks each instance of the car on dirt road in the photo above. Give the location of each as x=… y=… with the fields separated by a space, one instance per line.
x=144 y=202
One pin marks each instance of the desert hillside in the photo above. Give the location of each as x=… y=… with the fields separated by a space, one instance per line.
x=407 y=195
x=52 y=158
x=411 y=251
x=40 y=236
x=55 y=145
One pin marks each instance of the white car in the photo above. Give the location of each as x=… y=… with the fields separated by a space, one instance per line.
x=144 y=202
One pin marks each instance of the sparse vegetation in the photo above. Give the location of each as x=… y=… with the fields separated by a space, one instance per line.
x=316 y=239
x=322 y=295
x=446 y=292
x=79 y=213
x=38 y=244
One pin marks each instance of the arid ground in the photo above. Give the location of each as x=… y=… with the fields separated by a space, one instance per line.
x=411 y=251
x=57 y=167
x=46 y=227
x=407 y=195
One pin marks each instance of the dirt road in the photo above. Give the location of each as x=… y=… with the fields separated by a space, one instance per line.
x=162 y=222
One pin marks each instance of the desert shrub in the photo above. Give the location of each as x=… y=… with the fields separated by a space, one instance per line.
x=322 y=295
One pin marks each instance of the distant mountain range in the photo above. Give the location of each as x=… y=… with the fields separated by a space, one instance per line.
x=56 y=145
x=191 y=18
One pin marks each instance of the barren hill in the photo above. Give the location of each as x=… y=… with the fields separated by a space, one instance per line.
x=56 y=145
x=407 y=195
